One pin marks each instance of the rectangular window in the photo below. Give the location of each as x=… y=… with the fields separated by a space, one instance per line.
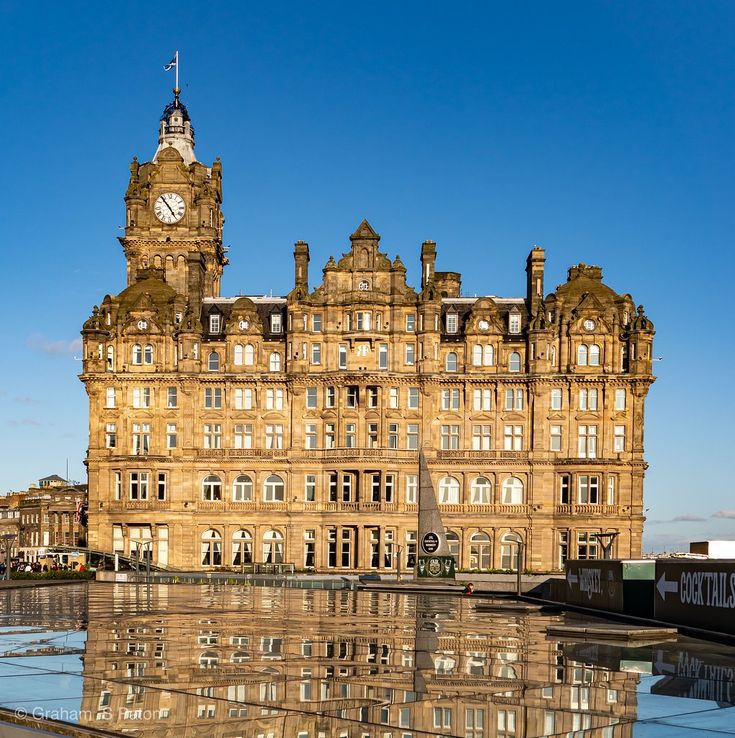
x=393 y=395
x=564 y=484
x=212 y=435
x=117 y=490
x=353 y=395
x=372 y=397
x=316 y=353
x=372 y=435
x=350 y=435
x=563 y=550
x=555 y=438
x=243 y=436
x=619 y=438
x=333 y=486
x=588 y=399
x=412 y=486
x=275 y=323
x=172 y=399
x=110 y=397
x=342 y=356
x=620 y=400
x=556 y=399
x=363 y=321
x=311 y=398
x=316 y=323
x=452 y=322
x=138 y=485
x=514 y=399
x=481 y=437
x=392 y=435
x=450 y=437
x=383 y=356
x=330 y=396
x=161 y=486
x=274 y=399
x=171 y=436
x=612 y=484
x=482 y=400
x=142 y=397
x=411 y=323
x=329 y=435
x=413 y=398
x=513 y=438
x=213 y=398
x=347 y=488
x=141 y=438
x=587 y=442
x=588 y=489
x=390 y=486
x=514 y=323
x=310 y=440
x=310 y=488
x=587 y=546
x=410 y=353
x=274 y=435
x=214 y=323
x=450 y=399
x=375 y=487
x=110 y=435
x=412 y=436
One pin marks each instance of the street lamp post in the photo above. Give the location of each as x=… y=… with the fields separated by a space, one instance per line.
x=8 y=538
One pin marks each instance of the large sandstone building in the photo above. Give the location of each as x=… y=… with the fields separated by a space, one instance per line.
x=227 y=431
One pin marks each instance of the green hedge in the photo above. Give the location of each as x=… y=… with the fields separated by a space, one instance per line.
x=55 y=574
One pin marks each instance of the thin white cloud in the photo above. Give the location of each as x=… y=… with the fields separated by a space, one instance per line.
x=21 y=422
x=688 y=518
x=37 y=342
x=727 y=514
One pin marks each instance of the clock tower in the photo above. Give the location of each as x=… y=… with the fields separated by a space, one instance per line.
x=173 y=213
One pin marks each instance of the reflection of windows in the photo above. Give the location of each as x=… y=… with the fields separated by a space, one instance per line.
x=509 y=551
x=480 y=555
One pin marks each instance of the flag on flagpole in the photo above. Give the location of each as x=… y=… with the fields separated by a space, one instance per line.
x=168 y=67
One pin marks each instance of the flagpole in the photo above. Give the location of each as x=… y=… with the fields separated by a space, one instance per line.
x=176 y=91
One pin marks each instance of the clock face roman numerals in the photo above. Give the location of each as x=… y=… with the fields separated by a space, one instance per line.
x=169 y=207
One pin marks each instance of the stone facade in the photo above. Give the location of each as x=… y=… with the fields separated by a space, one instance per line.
x=231 y=430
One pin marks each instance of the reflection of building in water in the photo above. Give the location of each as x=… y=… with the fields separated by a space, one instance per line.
x=57 y=607
x=190 y=661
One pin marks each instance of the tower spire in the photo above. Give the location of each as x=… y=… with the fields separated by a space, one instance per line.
x=175 y=128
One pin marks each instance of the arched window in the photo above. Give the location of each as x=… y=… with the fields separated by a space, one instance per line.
x=137 y=353
x=269 y=686
x=211 y=548
x=453 y=542
x=509 y=551
x=242 y=548
x=242 y=489
x=448 y=491
x=237 y=355
x=451 y=364
x=514 y=362
x=213 y=362
x=110 y=359
x=481 y=491
x=208 y=660
x=148 y=354
x=239 y=656
x=274 y=363
x=512 y=491
x=273 y=547
x=212 y=488
x=477 y=355
x=582 y=354
x=249 y=354
x=594 y=355
x=273 y=489
x=488 y=358
x=480 y=551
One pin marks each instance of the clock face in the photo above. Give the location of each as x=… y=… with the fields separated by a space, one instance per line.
x=244 y=325
x=589 y=324
x=364 y=285
x=142 y=325
x=483 y=325
x=169 y=207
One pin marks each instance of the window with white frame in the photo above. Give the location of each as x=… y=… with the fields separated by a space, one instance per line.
x=148 y=354
x=138 y=485
x=514 y=399
x=451 y=362
x=242 y=489
x=141 y=438
x=274 y=362
x=412 y=486
x=110 y=435
x=243 y=435
x=329 y=435
x=620 y=400
x=481 y=491
x=452 y=322
x=488 y=355
x=243 y=398
x=362 y=320
x=276 y=323
x=372 y=435
x=513 y=493
x=172 y=397
x=310 y=437
x=555 y=438
x=211 y=488
x=588 y=489
x=212 y=435
x=588 y=399
x=482 y=437
x=330 y=395
x=587 y=442
x=587 y=545
x=274 y=398
x=342 y=356
x=556 y=399
x=482 y=400
x=411 y=323
x=311 y=398
x=450 y=437
x=214 y=323
x=450 y=399
x=273 y=489
x=316 y=353
x=110 y=397
x=612 y=488
x=582 y=355
x=392 y=435
x=410 y=354
x=213 y=362
x=237 y=355
x=213 y=398
x=514 y=362
x=477 y=355
x=273 y=435
x=514 y=322
x=310 y=488
x=142 y=397
x=448 y=491
x=619 y=438
x=506 y=724
x=393 y=394
x=171 y=435
x=413 y=398
x=382 y=356
x=211 y=555
x=350 y=435
x=249 y=354
x=316 y=323
x=412 y=436
x=137 y=354
x=594 y=356
x=513 y=438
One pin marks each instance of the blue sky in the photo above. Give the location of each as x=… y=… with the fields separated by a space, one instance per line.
x=602 y=131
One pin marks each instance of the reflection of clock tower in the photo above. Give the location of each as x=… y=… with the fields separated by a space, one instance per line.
x=173 y=216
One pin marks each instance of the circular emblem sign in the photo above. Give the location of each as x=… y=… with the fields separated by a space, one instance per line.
x=430 y=542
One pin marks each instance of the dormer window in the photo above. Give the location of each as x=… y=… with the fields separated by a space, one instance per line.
x=215 y=323
x=276 y=325
x=514 y=322
x=452 y=322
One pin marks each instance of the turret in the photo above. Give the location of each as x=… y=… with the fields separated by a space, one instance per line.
x=535 y=279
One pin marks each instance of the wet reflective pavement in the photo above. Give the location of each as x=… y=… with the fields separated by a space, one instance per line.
x=264 y=662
